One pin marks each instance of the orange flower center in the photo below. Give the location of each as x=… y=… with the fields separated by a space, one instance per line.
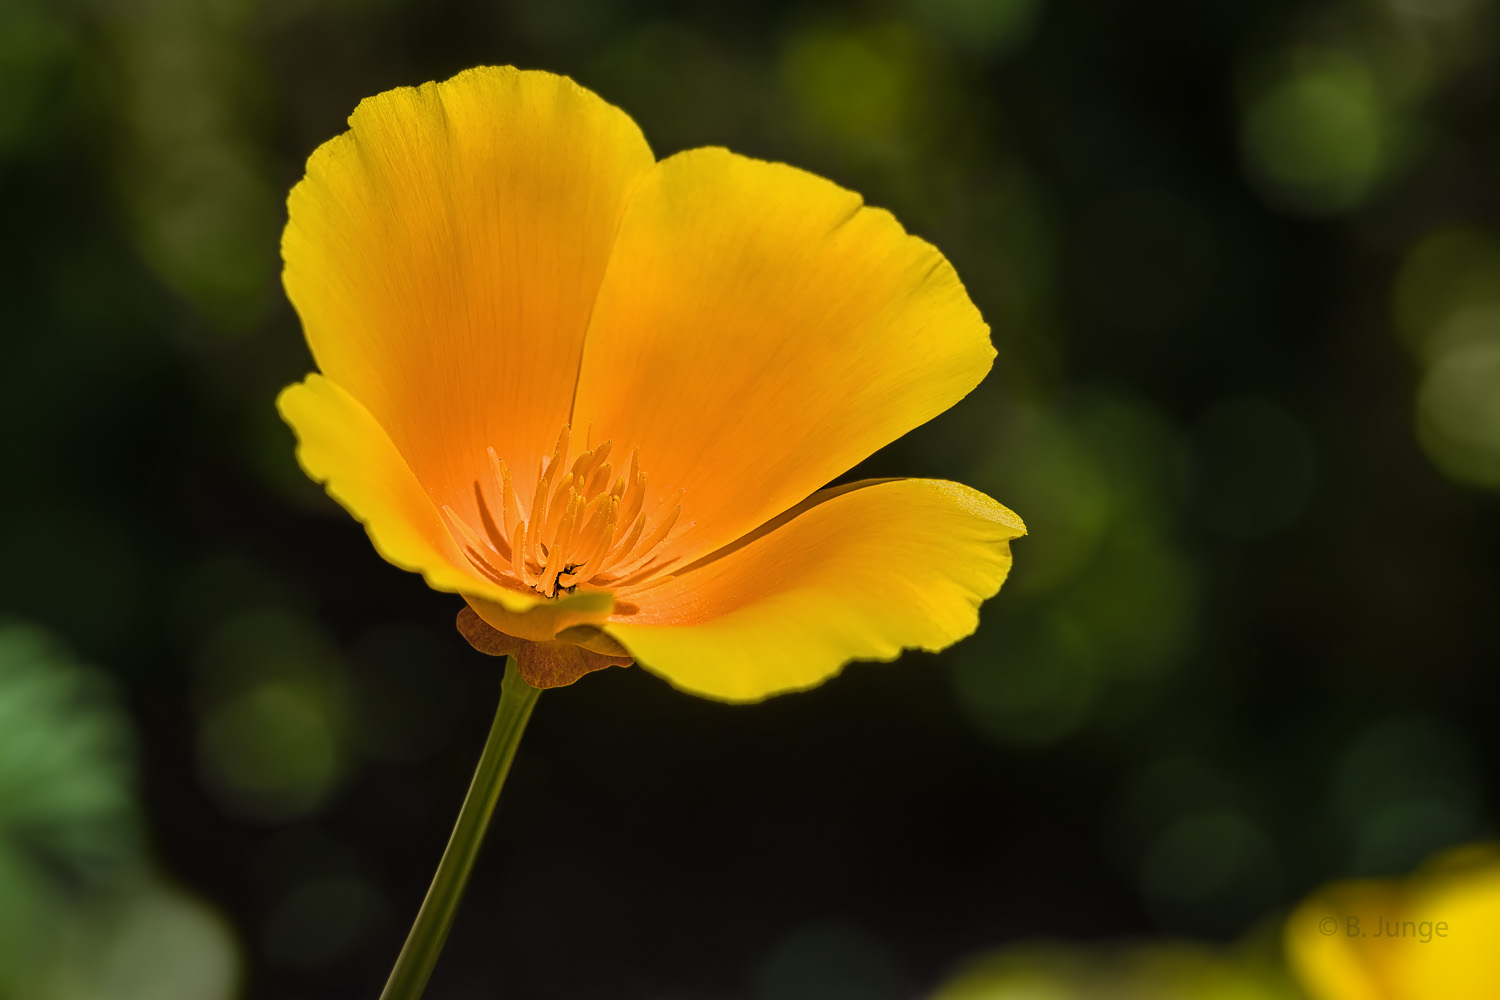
x=578 y=529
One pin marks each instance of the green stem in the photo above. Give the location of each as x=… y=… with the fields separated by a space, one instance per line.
x=425 y=942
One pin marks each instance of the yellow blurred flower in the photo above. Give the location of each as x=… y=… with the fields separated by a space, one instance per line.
x=1433 y=936
x=492 y=269
x=1161 y=970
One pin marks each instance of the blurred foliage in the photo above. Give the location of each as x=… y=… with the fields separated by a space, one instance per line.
x=67 y=806
x=1242 y=266
x=1428 y=935
x=81 y=915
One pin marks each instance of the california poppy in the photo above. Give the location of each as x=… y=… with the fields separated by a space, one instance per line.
x=599 y=395
x=1430 y=936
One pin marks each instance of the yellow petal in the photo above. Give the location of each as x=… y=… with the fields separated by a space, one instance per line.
x=340 y=445
x=1431 y=937
x=444 y=256
x=543 y=621
x=856 y=573
x=1469 y=906
x=759 y=332
x=1328 y=946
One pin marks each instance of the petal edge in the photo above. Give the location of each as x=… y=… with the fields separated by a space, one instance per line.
x=757 y=320
x=340 y=445
x=862 y=575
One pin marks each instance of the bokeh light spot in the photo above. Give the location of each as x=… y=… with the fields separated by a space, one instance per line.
x=151 y=942
x=1034 y=693
x=1404 y=788
x=1212 y=871
x=323 y=920
x=1052 y=475
x=1100 y=596
x=829 y=961
x=1448 y=292
x=33 y=47
x=994 y=27
x=1318 y=136
x=1164 y=971
x=1437 y=10
x=271 y=749
x=195 y=184
x=273 y=734
x=1458 y=414
x=856 y=88
x=1397 y=837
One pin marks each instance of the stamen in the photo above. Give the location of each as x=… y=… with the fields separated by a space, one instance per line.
x=560 y=455
x=487 y=521
x=476 y=548
x=538 y=515
x=586 y=571
x=623 y=549
x=578 y=530
x=518 y=556
x=510 y=509
x=599 y=479
x=635 y=497
x=557 y=509
x=657 y=537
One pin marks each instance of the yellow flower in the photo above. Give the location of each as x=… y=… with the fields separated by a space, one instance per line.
x=1434 y=936
x=594 y=393
x=1155 y=970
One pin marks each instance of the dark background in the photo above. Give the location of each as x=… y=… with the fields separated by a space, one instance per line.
x=1242 y=266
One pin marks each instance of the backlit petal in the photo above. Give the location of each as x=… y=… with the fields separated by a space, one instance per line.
x=545 y=620
x=1429 y=937
x=759 y=332
x=860 y=573
x=340 y=445
x=444 y=256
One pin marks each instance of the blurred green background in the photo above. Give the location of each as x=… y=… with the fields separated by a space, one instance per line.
x=1242 y=264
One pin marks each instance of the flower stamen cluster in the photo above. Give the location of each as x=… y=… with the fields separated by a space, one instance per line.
x=577 y=529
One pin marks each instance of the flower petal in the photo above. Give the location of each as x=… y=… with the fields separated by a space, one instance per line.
x=444 y=255
x=340 y=445
x=858 y=572
x=759 y=332
x=543 y=621
x=1428 y=937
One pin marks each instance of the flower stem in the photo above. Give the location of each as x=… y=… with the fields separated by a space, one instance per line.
x=425 y=942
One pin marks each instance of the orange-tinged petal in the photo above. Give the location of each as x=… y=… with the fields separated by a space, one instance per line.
x=759 y=332
x=546 y=619
x=340 y=444
x=857 y=572
x=1429 y=937
x=1470 y=969
x=444 y=255
x=1322 y=941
